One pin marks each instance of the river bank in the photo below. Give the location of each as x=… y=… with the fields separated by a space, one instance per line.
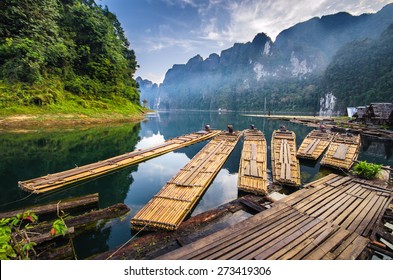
x=30 y=122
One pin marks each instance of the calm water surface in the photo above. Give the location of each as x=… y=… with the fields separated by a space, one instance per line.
x=29 y=155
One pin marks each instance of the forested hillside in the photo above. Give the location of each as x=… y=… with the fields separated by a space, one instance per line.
x=361 y=72
x=64 y=55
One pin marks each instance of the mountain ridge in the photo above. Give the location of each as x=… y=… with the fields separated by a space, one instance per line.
x=287 y=72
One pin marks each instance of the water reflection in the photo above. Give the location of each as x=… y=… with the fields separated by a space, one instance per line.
x=25 y=156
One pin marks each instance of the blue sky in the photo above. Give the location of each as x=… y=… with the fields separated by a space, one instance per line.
x=167 y=32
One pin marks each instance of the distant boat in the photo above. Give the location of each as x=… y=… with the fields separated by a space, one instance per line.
x=285 y=165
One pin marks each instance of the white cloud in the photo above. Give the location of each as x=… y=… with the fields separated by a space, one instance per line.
x=249 y=17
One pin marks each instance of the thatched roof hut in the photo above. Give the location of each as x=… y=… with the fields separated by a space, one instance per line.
x=360 y=114
x=380 y=113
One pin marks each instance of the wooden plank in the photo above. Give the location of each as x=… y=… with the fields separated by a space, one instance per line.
x=320 y=251
x=354 y=220
x=354 y=249
x=237 y=244
x=289 y=229
x=305 y=244
x=312 y=226
x=341 y=152
x=321 y=180
x=234 y=231
x=368 y=214
x=311 y=244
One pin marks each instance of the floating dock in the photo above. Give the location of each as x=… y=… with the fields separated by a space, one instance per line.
x=332 y=218
x=252 y=168
x=314 y=144
x=285 y=165
x=169 y=207
x=81 y=173
x=342 y=151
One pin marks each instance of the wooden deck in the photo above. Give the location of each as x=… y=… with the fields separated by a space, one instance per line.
x=342 y=151
x=170 y=206
x=314 y=144
x=285 y=165
x=330 y=219
x=81 y=173
x=253 y=162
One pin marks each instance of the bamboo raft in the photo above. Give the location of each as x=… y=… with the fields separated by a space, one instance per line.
x=252 y=168
x=285 y=165
x=81 y=173
x=169 y=207
x=332 y=218
x=342 y=151
x=314 y=144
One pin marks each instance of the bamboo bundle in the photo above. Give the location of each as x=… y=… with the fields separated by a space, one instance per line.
x=252 y=169
x=342 y=151
x=314 y=144
x=285 y=165
x=78 y=174
x=174 y=201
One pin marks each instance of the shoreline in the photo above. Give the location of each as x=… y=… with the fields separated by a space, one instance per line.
x=28 y=123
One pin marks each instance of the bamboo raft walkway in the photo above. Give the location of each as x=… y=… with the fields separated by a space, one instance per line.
x=169 y=207
x=81 y=173
x=253 y=163
x=342 y=151
x=285 y=165
x=332 y=218
x=314 y=144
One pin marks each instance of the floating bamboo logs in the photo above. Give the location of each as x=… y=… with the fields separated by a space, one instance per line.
x=70 y=205
x=252 y=169
x=169 y=207
x=78 y=174
x=285 y=165
x=314 y=144
x=342 y=151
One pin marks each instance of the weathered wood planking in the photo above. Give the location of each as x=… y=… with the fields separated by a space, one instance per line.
x=314 y=144
x=81 y=173
x=285 y=165
x=253 y=163
x=330 y=219
x=168 y=208
x=342 y=151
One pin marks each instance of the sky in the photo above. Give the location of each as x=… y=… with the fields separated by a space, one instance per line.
x=167 y=32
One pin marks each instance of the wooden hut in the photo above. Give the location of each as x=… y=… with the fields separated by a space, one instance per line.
x=361 y=113
x=380 y=113
x=285 y=165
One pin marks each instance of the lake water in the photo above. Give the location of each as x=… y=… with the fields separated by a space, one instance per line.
x=29 y=155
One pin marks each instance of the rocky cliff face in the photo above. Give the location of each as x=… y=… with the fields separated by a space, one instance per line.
x=286 y=72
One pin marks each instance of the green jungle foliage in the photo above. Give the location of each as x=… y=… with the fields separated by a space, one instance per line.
x=367 y=170
x=56 y=51
x=362 y=72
